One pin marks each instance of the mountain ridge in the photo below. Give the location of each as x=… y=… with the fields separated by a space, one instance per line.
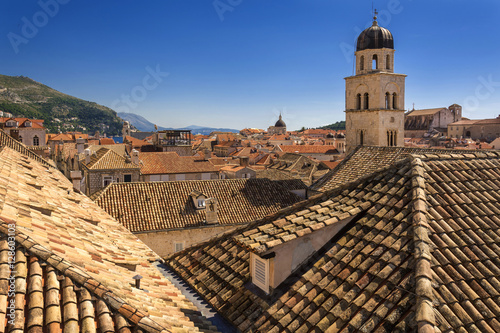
x=144 y=125
x=25 y=97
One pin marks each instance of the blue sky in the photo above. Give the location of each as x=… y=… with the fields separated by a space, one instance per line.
x=238 y=63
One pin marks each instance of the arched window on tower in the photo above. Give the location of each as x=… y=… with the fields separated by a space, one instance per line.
x=375 y=62
x=358 y=102
x=367 y=102
x=395 y=101
x=388 y=62
x=362 y=63
x=387 y=100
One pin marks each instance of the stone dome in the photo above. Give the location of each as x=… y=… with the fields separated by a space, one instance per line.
x=330 y=136
x=280 y=123
x=375 y=37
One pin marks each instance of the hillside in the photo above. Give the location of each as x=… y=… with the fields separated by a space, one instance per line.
x=23 y=96
x=144 y=125
x=338 y=126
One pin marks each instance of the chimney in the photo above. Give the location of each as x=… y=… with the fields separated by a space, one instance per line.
x=87 y=156
x=244 y=161
x=80 y=143
x=135 y=157
x=76 y=177
x=211 y=211
x=208 y=154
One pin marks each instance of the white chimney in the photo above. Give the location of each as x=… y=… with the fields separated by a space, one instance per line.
x=87 y=155
x=135 y=157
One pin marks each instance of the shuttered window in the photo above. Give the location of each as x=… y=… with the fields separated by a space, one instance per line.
x=260 y=274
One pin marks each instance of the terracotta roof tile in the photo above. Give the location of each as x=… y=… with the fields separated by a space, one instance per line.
x=398 y=267
x=365 y=160
x=105 y=158
x=168 y=205
x=171 y=163
x=74 y=263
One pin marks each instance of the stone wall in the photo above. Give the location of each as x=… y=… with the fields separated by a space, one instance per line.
x=163 y=242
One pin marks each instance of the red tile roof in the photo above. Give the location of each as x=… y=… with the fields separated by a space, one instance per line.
x=421 y=254
x=156 y=163
x=74 y=264
x=308 y=149
x=167 y=205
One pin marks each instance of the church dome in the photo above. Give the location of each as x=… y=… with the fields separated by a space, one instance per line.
x=280 y=123
x=375 y=37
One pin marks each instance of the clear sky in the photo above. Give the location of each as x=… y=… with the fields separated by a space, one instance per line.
x=238 y=63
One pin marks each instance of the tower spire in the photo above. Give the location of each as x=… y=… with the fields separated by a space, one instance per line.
x=375 y=13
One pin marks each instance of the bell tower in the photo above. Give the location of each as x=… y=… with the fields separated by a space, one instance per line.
x=374 y=98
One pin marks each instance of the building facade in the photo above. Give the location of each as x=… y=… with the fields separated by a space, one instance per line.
x=427 y=122
x=375 y=95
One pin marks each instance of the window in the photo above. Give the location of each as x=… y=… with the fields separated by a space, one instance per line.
x=388 y=62
x=362 y=63
x=106 y=180
x=361 y=138
x=36 y=141
x=387 y=99
x=395 y=101
x=201 y=203
x=358 y=102
x=178 y=246
x=27 y=124
x=260 y=272
x=127 y=178
x=392 y=138
x=375 y=62
x=367 y=102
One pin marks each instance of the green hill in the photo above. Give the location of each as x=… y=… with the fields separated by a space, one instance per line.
x=23 y=96
x=339 y=125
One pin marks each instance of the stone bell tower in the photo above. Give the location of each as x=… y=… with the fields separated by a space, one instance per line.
x=374 y=98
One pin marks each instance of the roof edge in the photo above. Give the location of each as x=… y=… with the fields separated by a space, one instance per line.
x=424 y=315
x=76 y=274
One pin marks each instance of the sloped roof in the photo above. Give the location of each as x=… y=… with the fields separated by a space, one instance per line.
x=7 y=141
x=155 y=163
x=421 y=255
x=309 y=149
x=167 y=205
x=105 y=158
x=75 y=264
x=366 y=159
x=424 y=112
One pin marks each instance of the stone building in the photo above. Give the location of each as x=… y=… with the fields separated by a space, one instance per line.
x=105 y=166
x=375 y=95
x=171 y=216
x=482 y=129
x=427 y=122
x=278 y=128
x=31 y=132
